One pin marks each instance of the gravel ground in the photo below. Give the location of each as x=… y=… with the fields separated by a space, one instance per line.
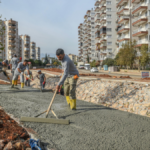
x=92 y=127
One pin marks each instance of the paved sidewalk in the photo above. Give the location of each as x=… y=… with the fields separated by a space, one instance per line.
x=92 y=127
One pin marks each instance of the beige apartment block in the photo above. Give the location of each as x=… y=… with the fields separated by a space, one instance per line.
x=81 y=39
x=105 y=22
x=73 y=57
x=25 y=46
x=2 y=39
x=38 y=50
x=32 y=50
x=11 y=40
x=140 y=22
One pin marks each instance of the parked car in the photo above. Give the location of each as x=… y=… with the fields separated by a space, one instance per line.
x=87 y=68
x=81 y=67
x=94 y=69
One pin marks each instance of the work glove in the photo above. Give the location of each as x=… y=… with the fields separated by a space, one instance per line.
x=35 y=145
x=43 y=82
x=21 y=73
x=28 y=76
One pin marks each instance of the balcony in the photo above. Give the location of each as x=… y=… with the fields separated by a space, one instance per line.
x=102 y=7
x=123 y=19
x=103 y=46
x=103 y=20
x=103 y=25
x=124 y=10
x=123 y=29
x=102 y=2
x=139 y=20
x=121 y=2
x=97 y=9
x=136 y=1
x=97 y=18
x=141 y=42
x=103 y=14
x=97 y=3
x=140 y=32
x=123 y=38
x=140 y=7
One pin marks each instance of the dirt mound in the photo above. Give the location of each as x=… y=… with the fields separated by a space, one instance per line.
x=3 y=82
x=125 y=77
x=12 y=134
x=145 y=78
x=53 y=70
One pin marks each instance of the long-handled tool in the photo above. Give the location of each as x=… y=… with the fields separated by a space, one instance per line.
x=5 y=73
x=46 y=120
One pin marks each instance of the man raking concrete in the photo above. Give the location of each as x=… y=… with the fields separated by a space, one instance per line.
x=20 y=71
x=13 y=65
x=69 y=78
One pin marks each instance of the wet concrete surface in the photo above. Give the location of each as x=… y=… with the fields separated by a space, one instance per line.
x=92 y=127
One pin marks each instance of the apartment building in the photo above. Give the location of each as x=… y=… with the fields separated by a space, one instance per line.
x=38 y=53
x=32 y=50
x=140 y=22
x=1 y=39
x=25 y=46
x=73 y=57
x=86 y=33
x=11 y=40
x=81 y=39
x=105 y=35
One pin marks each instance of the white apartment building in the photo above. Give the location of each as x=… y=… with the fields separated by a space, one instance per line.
x=105 y=23
x=25 y=47
x=86 y=32
x=11 y=41
x=32 y=50
x=38 y=53
x=2 y=39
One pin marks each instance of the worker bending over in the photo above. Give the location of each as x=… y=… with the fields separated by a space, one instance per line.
x=20 y=71
x=28 y=80
x=13 y=65
x=69 y=78
x=42 y=78
x=3 y=67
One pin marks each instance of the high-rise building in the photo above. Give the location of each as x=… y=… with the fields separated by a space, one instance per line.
x=25 y=46
x=38 y=53
x=32 y=50
x=11 y=41
x=2 y=39
x=105 y=23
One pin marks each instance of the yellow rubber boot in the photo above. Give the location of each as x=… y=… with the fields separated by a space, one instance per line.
x=68 y=100
x=15 y=83
x=73 y=104
x=22 y=85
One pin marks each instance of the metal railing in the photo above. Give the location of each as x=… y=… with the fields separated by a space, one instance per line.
x=123 y=27
x=140 y=17
x=139 y=30
x=140 y=4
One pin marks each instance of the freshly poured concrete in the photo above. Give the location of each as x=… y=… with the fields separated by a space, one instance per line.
x=92 y=127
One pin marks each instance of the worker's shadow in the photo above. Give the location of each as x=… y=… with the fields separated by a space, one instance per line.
x=85 y=108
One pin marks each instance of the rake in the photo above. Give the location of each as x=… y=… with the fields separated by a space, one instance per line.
x=46 y=120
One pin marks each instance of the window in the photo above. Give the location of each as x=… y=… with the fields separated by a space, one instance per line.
x=108 y=22
x=108 y=9
x=109 y=43
x=108 y=29
x=108 y=16
x=108 y=2
x=109 y=49
x=109 y=36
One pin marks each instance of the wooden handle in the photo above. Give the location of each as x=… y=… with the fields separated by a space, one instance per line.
x=49 y=108
x=51 y=103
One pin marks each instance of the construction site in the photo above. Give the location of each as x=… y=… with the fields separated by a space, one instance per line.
x=112 y=113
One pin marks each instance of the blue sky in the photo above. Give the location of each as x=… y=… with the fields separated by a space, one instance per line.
x=51 y=24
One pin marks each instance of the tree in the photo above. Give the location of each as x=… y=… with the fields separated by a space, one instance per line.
x=144 y=57
x=32 y=61
x=108 y=62
x=38 y=62
x=46 y=60
x=127 y=54
x=93 y=64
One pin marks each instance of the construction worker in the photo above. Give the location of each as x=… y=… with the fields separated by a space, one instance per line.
x=69 y=78
x=13 y=65
x=20 y=71
x=28 y=80
x=42 y=78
